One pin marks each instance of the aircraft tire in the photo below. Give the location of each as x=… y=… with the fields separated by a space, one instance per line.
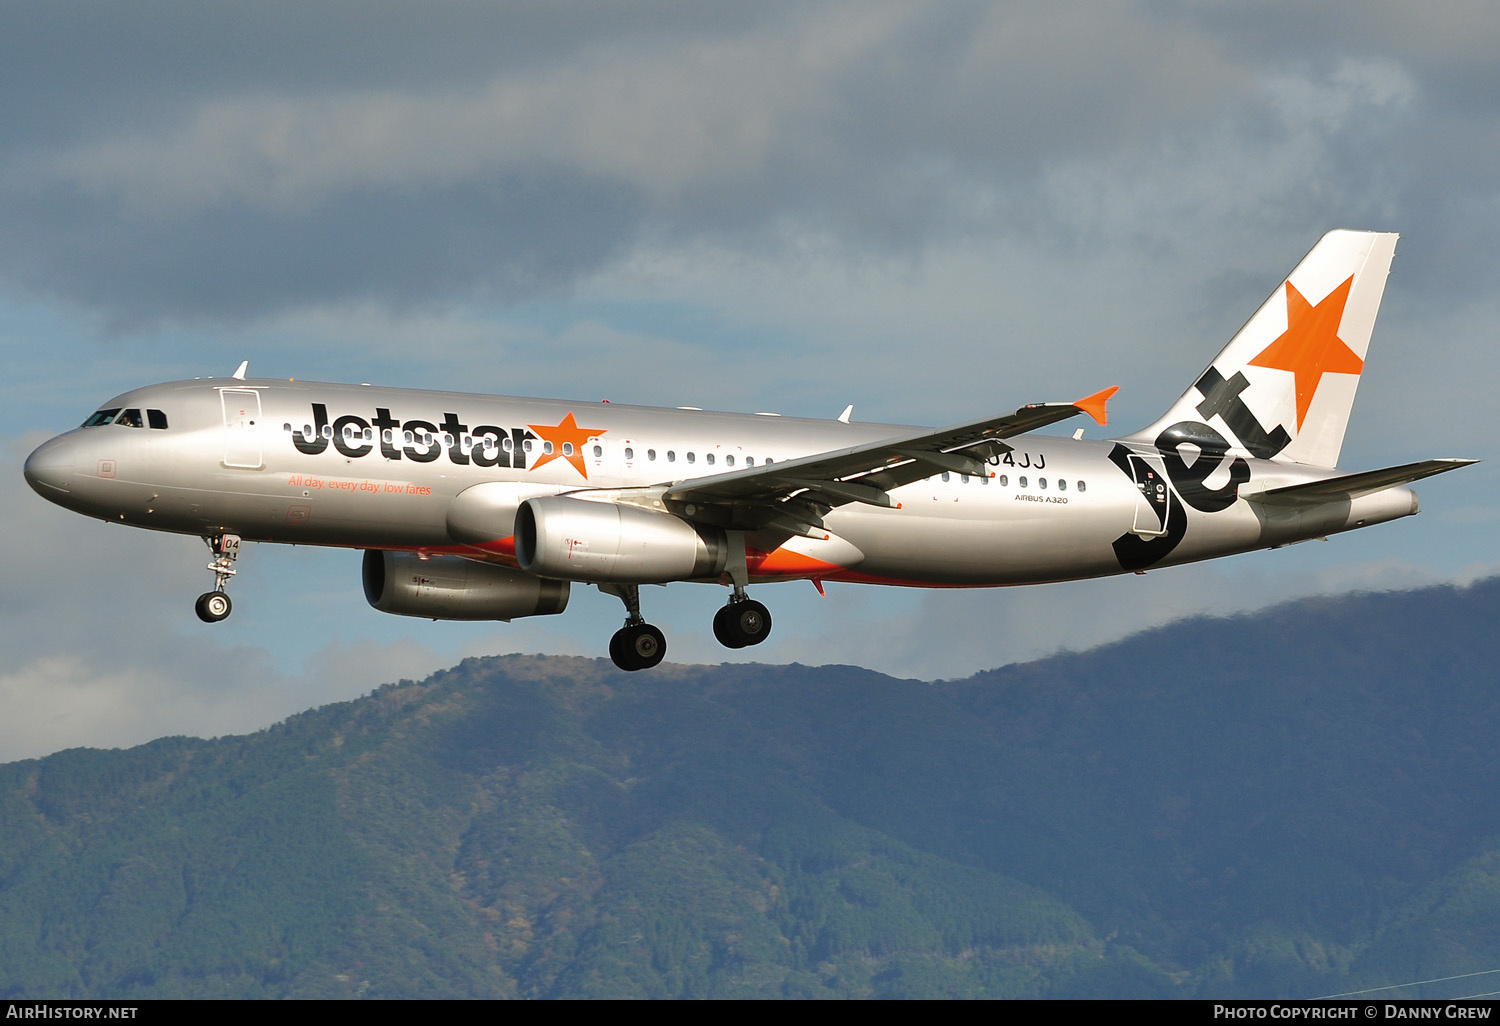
x=213 y=606
x=751 y=621
x=724 y=628
x=639 y=647
x=741 y=624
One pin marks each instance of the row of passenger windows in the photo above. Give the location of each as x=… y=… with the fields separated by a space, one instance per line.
x=127 y=418
x=691 y=457
x=1022 y=482
x=489 y=443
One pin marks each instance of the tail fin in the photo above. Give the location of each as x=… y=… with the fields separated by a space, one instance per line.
x=1285 y=384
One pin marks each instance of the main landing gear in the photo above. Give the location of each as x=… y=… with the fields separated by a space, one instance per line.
x=638 y=645
x=213 y=606
x=741 y=623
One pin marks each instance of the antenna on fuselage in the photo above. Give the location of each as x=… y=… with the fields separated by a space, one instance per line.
x=848 y=412
x=239 y=375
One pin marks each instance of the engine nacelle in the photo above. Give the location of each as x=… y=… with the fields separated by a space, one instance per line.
x=454 y=588
x=579 y=540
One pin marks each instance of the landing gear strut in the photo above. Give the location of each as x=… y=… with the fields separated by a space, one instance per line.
x=638 y=645
x=213 y=606
x=742 y=621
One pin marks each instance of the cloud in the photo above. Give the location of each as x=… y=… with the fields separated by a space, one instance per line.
x=886 y=124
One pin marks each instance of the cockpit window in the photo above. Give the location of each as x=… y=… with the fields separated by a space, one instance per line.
x=130 y=418
x=157 y=419
x=101 y=418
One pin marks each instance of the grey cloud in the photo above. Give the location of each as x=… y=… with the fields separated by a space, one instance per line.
x=885 y=124
x=525 y=233
x=329 y=152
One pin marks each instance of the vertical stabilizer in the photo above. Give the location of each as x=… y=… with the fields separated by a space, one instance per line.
x=1283 y=387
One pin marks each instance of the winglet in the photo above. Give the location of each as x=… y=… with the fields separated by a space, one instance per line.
x=1093 y=405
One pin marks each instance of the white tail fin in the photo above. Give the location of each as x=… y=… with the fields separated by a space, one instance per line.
x=1283 y=387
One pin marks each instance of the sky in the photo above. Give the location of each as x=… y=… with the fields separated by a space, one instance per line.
x=934 y=211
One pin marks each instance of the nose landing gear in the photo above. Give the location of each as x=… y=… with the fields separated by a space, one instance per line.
x=213 y=606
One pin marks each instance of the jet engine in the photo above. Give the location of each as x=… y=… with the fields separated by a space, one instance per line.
x=580 y=540
x=454 y=588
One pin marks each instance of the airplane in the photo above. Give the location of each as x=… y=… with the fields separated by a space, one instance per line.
x=474 y=507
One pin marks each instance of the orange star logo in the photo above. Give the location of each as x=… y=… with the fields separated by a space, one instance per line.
x=568 y=440
x=1310 y=347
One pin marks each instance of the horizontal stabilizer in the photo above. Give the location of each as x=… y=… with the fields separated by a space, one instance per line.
x=1351 y=486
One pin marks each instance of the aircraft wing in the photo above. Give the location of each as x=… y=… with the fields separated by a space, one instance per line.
x=1351 y=486
x=792 y=494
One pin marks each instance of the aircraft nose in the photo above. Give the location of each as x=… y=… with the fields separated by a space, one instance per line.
x=49 y=470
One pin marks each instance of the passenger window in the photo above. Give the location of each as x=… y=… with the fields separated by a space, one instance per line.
x=1082 y=487
x=526 y=445
x=157 y=419
x=410 y=439
x=630 y=452
x=749 y=461
x=567 y=448
x=691 y=458
x=709 y=459
x=101 y=418
x=598 y=451
x=1041 y=482
x=385 y=436
x=327 y=430
x=130 y=418
x=650 y=454
x=507 y=444
x=963 y=478
x=984 y=479
x=1062 y=484
x=729 y=461
x=1021 y=481
x=945 y=475
x=546 y=448
x=1004 y=481
x=671 y=456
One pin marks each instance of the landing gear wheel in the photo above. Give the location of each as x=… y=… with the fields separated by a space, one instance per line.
x=637 y=647
x=742 y=623
x=724 y=628
x=213 y=606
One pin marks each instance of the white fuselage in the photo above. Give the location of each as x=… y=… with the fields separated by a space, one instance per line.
x=381 y=468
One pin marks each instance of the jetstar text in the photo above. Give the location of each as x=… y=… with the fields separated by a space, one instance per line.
x=484 y=445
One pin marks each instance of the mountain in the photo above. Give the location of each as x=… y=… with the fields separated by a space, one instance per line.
x=1292 y=803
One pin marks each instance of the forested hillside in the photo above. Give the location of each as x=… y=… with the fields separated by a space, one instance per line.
x=1298 y=802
